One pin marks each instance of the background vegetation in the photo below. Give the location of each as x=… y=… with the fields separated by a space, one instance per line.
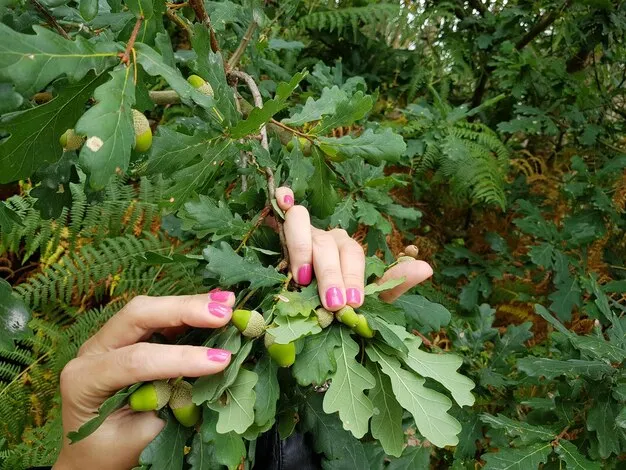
x=490 y=134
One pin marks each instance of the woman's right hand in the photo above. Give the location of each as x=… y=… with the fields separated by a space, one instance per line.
x=118 y=356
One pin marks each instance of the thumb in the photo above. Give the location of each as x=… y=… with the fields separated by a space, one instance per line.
x=413 y=272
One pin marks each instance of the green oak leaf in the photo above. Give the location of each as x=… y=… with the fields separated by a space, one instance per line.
x=413 y=458
x=565 y=298
x=267 y=390
x=31 y=62
x=167 y=450
x=203 y=216
x=259 y=116
x=601 y=419
x=228 y=449
x=108 y=128
x=8 y=218
x=34 y=133
x=374 y=288
x=290 y=329
x=231 y=269
x=300 y=171
x=523 y=432
x=442 y=368
x=551 y=368
x=346 y=392
x=202 y=454
x=316 y=362
x=323 y=195
x=346 y=113
x=386 y=422
x=172 y=151
x=236 y=407
x=292 y=303
x=572 y=457
x=14 y=316
x=313 y=109
x=109 y=406
x=344 y=213
x=521 y=458
x=427 y=315
x=373 y=147
x=429 y=408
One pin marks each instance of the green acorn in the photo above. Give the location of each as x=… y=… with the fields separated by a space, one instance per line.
x=324 y=317
x=150 y=396
x=283 y=354
x=362 y=328
x=143 y=133
x=250 y=323
x=347 y=316
x=200 y=84
x=70 y=140
x=185 y=410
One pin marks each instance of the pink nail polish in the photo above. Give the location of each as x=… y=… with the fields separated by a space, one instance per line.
x=218 y=295
x=353 y=296
x=334 y=297
x=219 y=310
x=218 y=355
x=288 y=200
x=305 y=274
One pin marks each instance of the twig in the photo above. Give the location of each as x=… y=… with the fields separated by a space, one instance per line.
x=49 y=18
x=202 y=15
x=292 y=130
x=171 y=14
x=544 y=23
x=257 y=224
x=125 y=57
x=234 y=59
x=269 y=174
x=428 y=343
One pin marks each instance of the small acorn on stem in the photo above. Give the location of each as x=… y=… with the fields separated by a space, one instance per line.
x=324 y=317
x=185 y=410
x=363 y=328
x=143 y=133
x=347 y=316
x=150 y=396
x=283 y=354
x=250 y=323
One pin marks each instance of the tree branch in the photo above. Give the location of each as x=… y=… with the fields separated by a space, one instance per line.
x=544 y=23
x=131 y=41
x=171 y=14
x=269 y=174
x=49 y=18
x=202 y=15
x=234 y=60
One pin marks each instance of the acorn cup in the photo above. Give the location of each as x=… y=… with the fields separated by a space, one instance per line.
x=200 y=84
x=250 y=323
x=347 y=316
x=150 y=396
x=283 y=354
x=70 y=140
x=324 y=317
x=143 y=133
x=362 y=328
x=185 y=410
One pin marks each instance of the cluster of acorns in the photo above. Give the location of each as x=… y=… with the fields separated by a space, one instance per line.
x=155 y=395
x=70 y=140
x=252 y=325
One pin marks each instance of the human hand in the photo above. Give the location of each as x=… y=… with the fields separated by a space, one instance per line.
x=118 y=356
x=337 y=260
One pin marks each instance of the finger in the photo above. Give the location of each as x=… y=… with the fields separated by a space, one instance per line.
x=413 y=272
x=297 y=228
x=327 y=267
x=102 y=374
x=143 y=315
x=284 y=198
x=352 y=260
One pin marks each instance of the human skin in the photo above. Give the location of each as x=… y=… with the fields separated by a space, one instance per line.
x=118 y=354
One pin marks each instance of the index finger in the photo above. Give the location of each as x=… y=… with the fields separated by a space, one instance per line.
x=143 y=315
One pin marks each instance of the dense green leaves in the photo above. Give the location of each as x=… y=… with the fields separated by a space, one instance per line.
x=236 y=407
x=166 y=451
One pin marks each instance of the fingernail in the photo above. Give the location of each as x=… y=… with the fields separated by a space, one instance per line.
x=353 y=295
x=218 y=355
x=305 y=273
x=334 y=297
x=219 y=310
x=219 y=295
x=288 y=200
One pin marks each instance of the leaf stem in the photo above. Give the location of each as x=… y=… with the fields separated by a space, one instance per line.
x=171 y=14
x=292 y=130
x=50 y=19
x=202 y=15
x=234 y=59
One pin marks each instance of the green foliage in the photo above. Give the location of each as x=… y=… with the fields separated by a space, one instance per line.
x=489 y=134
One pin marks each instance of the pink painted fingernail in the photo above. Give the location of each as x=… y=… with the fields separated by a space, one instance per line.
x=219 y=310
x=353 y=295
x=219 y=295
x=288 y=200
x=334 y=297
x=218 y=355
x=305 y=274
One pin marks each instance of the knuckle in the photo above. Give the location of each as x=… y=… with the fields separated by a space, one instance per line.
x=301 y=248
x=298 y=211
x=134 y=359
x=321 y=239
x=331 y=274
x=355 y=252
x=340 y=232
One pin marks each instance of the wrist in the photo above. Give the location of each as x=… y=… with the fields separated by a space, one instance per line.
x=62 y=463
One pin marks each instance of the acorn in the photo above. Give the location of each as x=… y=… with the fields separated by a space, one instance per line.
x=324 y=317
x=200 y=84
x=283 y=354
x=185 y=410
x=405 y=258
x=150 y=396
x=70 y=140
x=363 y=328
x=347 y=316
x=143 y=133
x=411 y=251
x=250 y=322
